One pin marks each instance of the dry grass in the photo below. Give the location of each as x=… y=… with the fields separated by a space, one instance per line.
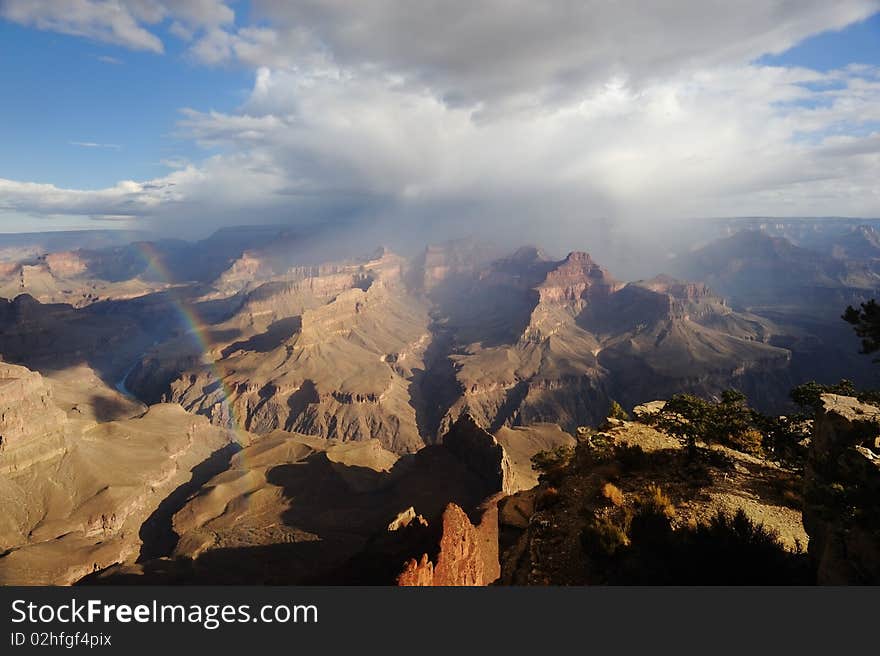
x=654 y=501
x=613 y=495
x=603 y=538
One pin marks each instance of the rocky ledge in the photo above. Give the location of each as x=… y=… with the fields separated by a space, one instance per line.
x=841 y=492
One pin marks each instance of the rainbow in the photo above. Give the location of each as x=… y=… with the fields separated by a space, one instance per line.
x=199 y=330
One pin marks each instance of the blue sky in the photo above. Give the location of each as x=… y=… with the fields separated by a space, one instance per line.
x=302 y=108
x=60 y=92
x=857 y=43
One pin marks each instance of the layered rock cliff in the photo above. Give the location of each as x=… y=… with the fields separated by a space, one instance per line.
x=79 y=495
x=396 y=350
x=32 y=427
x=587 y=339
x=330 y=352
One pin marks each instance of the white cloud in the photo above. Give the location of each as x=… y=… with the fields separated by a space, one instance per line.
x=727 y=141
x=126 y=198
x=92 y=144
x=200 y=13
x=126 y=23
x=188 y=199
x=522 y=51
x=731 y=141
x=508 y=113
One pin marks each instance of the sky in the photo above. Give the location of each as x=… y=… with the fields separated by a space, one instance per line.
x=434 y=117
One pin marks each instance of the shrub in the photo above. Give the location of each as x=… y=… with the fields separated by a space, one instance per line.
x=719 y=459
x=688 y=417
x=727 y=550
x=551 y=464
x=808 y=395
x=866 y=324
x=788 y=487
x=602 y=538
x=733 y=549
x=607 y=469
x=655 y=501
x=749 y=441
x=630 y=456
x=546 y=460
x=697 y=472
x=728 y=421
x=783 y=436
x=736 y=536
x=616 y=411
x=613 y=494
x=651 y=522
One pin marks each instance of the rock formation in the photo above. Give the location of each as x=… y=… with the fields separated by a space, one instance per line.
x=755 y=268
x=331 y=353
x=602 y=484
x=842 y=486
x=29 y=419
x=65 y=277
x=389 y=349
x=379 y=403
x=481 y=452
x=77 y=494
x=295 y=508
x=586 y=339
x=467 y=554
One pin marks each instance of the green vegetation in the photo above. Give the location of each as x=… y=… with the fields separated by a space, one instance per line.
x=616 y=411
x=807 y=396
x=634 y=538
x=651 y=521
x=631 y=457
x=731 y=422
x=693 y=418
x=654 y=502
x=866 y=323
x=750 y=440
x=551 y=464
x=784 y=436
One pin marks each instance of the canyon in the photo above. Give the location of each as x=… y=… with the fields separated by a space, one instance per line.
x=260 y=416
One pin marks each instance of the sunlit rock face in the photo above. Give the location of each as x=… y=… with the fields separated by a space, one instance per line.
x=27 y=413
x=80 y=494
